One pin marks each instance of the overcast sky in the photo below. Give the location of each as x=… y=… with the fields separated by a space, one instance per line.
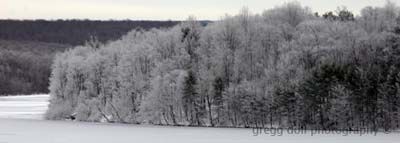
x=157 y=9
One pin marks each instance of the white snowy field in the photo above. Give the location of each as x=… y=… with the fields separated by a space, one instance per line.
x=19 y=124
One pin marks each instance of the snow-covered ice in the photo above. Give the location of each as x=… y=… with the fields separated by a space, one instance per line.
x=17 y=126
x=23 y=107
x=40 y=131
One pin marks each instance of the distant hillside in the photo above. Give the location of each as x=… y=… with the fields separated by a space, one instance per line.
x=27 y=47
x=72 y=32
x=25 y=66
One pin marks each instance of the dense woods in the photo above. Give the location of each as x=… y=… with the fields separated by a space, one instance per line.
x=72 y=32
x=286 y=67
x=28 y=47
x=25 y=66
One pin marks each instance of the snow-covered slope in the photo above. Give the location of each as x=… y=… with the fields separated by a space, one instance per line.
x=23 y=107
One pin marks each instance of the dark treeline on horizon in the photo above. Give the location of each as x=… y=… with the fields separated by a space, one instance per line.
x=72 y=32
x=25 y=66
x=27 y=47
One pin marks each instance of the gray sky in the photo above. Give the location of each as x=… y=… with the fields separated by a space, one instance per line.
x=157 y=9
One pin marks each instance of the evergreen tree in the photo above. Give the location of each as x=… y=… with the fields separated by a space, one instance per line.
x=218 y=86
x=189 y=98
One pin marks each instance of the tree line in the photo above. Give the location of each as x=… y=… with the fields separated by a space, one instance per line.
x=72 y=32
x=287 y=67
x=25 y=66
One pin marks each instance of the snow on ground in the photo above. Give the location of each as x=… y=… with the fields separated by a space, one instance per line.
x=17 y=126
x=23 y=107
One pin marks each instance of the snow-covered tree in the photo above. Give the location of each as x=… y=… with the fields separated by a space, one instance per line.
x=285 y=67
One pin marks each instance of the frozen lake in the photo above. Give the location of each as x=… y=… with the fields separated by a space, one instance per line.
x=23 y=107
x=20 y=123
x=40 y=131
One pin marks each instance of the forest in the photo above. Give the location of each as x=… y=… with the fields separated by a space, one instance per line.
x=72 y=32
x=28 y=47
x=286 y=67
x=25 y=66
